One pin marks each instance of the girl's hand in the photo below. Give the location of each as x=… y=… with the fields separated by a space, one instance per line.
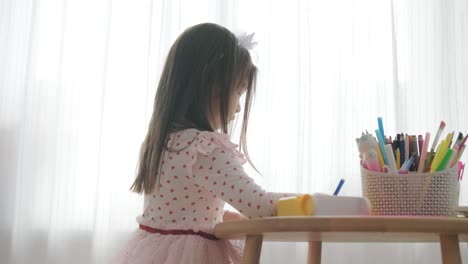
x=233 y=216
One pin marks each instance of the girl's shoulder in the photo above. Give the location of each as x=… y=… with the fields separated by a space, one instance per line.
x=203 y=142
x=192 y=137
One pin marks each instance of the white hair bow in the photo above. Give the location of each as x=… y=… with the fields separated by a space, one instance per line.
x=246 y=41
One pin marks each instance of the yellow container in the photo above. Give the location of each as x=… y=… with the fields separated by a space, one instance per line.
x=301 y=205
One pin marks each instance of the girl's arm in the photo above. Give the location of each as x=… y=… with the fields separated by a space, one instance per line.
x=223 y=175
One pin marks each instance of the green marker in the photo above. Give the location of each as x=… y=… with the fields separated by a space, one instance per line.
x=446 y=160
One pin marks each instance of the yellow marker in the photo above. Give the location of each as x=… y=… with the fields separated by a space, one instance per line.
x=440 y=153
x=379 y=156
x=446 y=161
x=449 y=138
x=301 y=205
x=398 y=158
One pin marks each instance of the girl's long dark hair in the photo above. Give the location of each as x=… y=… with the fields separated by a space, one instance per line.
x=205 y=63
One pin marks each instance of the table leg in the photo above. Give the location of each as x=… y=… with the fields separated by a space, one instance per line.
x=314 y=255
x=252 y=249
x=450 y=249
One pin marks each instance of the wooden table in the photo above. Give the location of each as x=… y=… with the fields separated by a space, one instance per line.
x=449 y=231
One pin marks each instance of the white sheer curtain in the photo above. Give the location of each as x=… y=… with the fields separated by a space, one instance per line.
x=77 y=81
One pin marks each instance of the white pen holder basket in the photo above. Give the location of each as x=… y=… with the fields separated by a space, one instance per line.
x=411 y=194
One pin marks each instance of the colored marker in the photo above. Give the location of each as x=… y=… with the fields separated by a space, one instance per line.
x=420 y=143
x=379 y=120
x=382 y=146
x=446 y=160
x=459 y=139
x=461 y=169
x=407 y=165
x=436 y=139
x=338 y=188
x=460 y=153
x=449 y=139
x=440 y=153
x=391 y=158
x=402 y=151
x=379 y=153
x=398 y=156
x=422 y=160
x=407 y=148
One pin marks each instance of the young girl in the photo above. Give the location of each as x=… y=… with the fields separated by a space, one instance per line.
x=188 y=166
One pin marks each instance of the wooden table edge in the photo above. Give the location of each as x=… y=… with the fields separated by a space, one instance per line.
x=371 y=224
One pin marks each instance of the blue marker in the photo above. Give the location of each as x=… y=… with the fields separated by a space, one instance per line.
x=407 y=165
x=402 y=150
x=379 y=120
x=382 y=146
x=338 y=188
x=410 y=162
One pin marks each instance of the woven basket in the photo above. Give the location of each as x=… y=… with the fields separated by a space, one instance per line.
x=412 y=194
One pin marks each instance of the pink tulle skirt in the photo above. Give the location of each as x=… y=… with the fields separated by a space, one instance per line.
x=146 y=248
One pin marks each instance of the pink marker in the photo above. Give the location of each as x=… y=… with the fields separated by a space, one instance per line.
x=461 y=170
